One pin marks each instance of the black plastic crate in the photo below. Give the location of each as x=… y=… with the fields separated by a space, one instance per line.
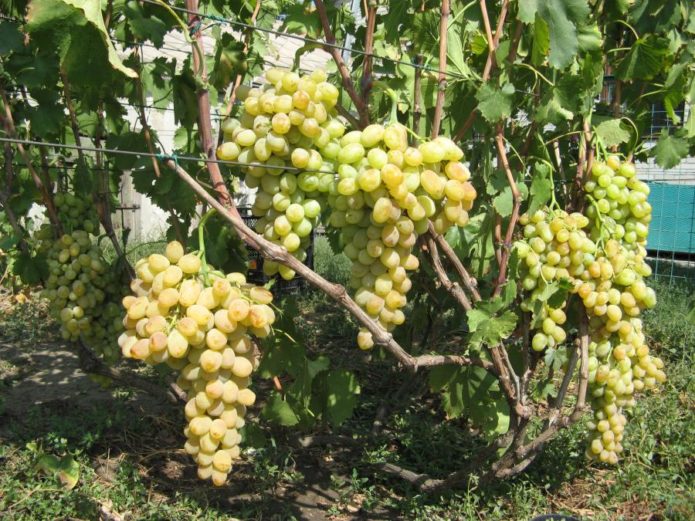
x=254 y=271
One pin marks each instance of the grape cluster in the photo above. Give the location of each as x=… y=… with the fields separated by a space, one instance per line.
x=381 y=192
x=385 y=195
x=81 y=290
x=287 y=127
x=199 y=321
x=601 y=256
x=614 y=293
x=620 y=200
x=555 y=248
x=76 y=213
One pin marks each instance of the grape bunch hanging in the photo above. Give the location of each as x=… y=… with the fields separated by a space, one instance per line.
x=601 y=255
x=199 y=321
x=377 y=190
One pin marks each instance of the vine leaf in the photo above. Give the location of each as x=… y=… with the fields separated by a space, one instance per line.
x=54 y=14
x=11 y=38
x=341 y=395
x=541 y=187
x=495 y=104
x=527 y=11
x=562 y=17
x=612 y=132
x=491 y=322
x=669 y=150
x=66 y=469
x=475 y=392
x=145 y=27
x=279 y=411
x=644 y=60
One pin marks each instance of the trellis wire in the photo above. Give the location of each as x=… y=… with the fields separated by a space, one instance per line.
x=158 y=155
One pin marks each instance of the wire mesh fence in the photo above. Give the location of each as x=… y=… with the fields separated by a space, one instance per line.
x=671 y=242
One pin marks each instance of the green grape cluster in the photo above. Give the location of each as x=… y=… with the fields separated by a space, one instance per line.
x=200 y=321
x=76 y=213
x=81 y=290
x=602 y=259
x=290 y=131
x=385 y=195
x=614 y=293
x=620 y=199
x=555 y=248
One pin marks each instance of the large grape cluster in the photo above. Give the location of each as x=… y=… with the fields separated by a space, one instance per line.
x=81 y=290
x=289 y=129
x=381 y=192
x=602 y=259
x=386 y=193
x=200 y=322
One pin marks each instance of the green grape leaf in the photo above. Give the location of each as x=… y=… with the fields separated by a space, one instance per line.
x=279 y=411
x=8 y=242
x=395 y=18
x=612 y=132
x=527 y=11
x=341 y=395
x=154 y=83
x=300 y=20
x=669 y=150
x=562 y=17
x=452 y=399
x=31 y=269
x=66 y=469
x=644 y=60
x=455 y=53
x=589 y=37
x=541 y=187
x=11 y=38
x=281 y=356
x=540 y=46
x=495 y=104
x=504 y=202
x=53 y=15
x=440 y=376
x=475 y=392
x=145 y=26
x=223 y=247
x=562 y=101
x=487 y=327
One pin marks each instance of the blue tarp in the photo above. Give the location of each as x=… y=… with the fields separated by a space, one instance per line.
x=673 y=218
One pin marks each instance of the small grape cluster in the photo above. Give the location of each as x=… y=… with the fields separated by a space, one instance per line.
x=619 y=198
x=76 y=213
x=81 y=290
x=200 y=321
x=555 y=248
x=385 y=196
x=290 y=124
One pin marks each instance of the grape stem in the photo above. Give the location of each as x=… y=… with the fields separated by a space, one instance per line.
x=201 y=244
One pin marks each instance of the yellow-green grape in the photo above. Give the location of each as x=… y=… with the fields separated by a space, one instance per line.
x=76 y=213
x=200 y=325
x=384 y=195
x=290 y=131
x=602 y=258
x=82 y=290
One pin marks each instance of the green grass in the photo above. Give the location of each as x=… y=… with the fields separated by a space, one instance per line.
x=130 y=460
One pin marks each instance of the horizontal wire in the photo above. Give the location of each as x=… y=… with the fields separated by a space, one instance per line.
x=174 y=157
